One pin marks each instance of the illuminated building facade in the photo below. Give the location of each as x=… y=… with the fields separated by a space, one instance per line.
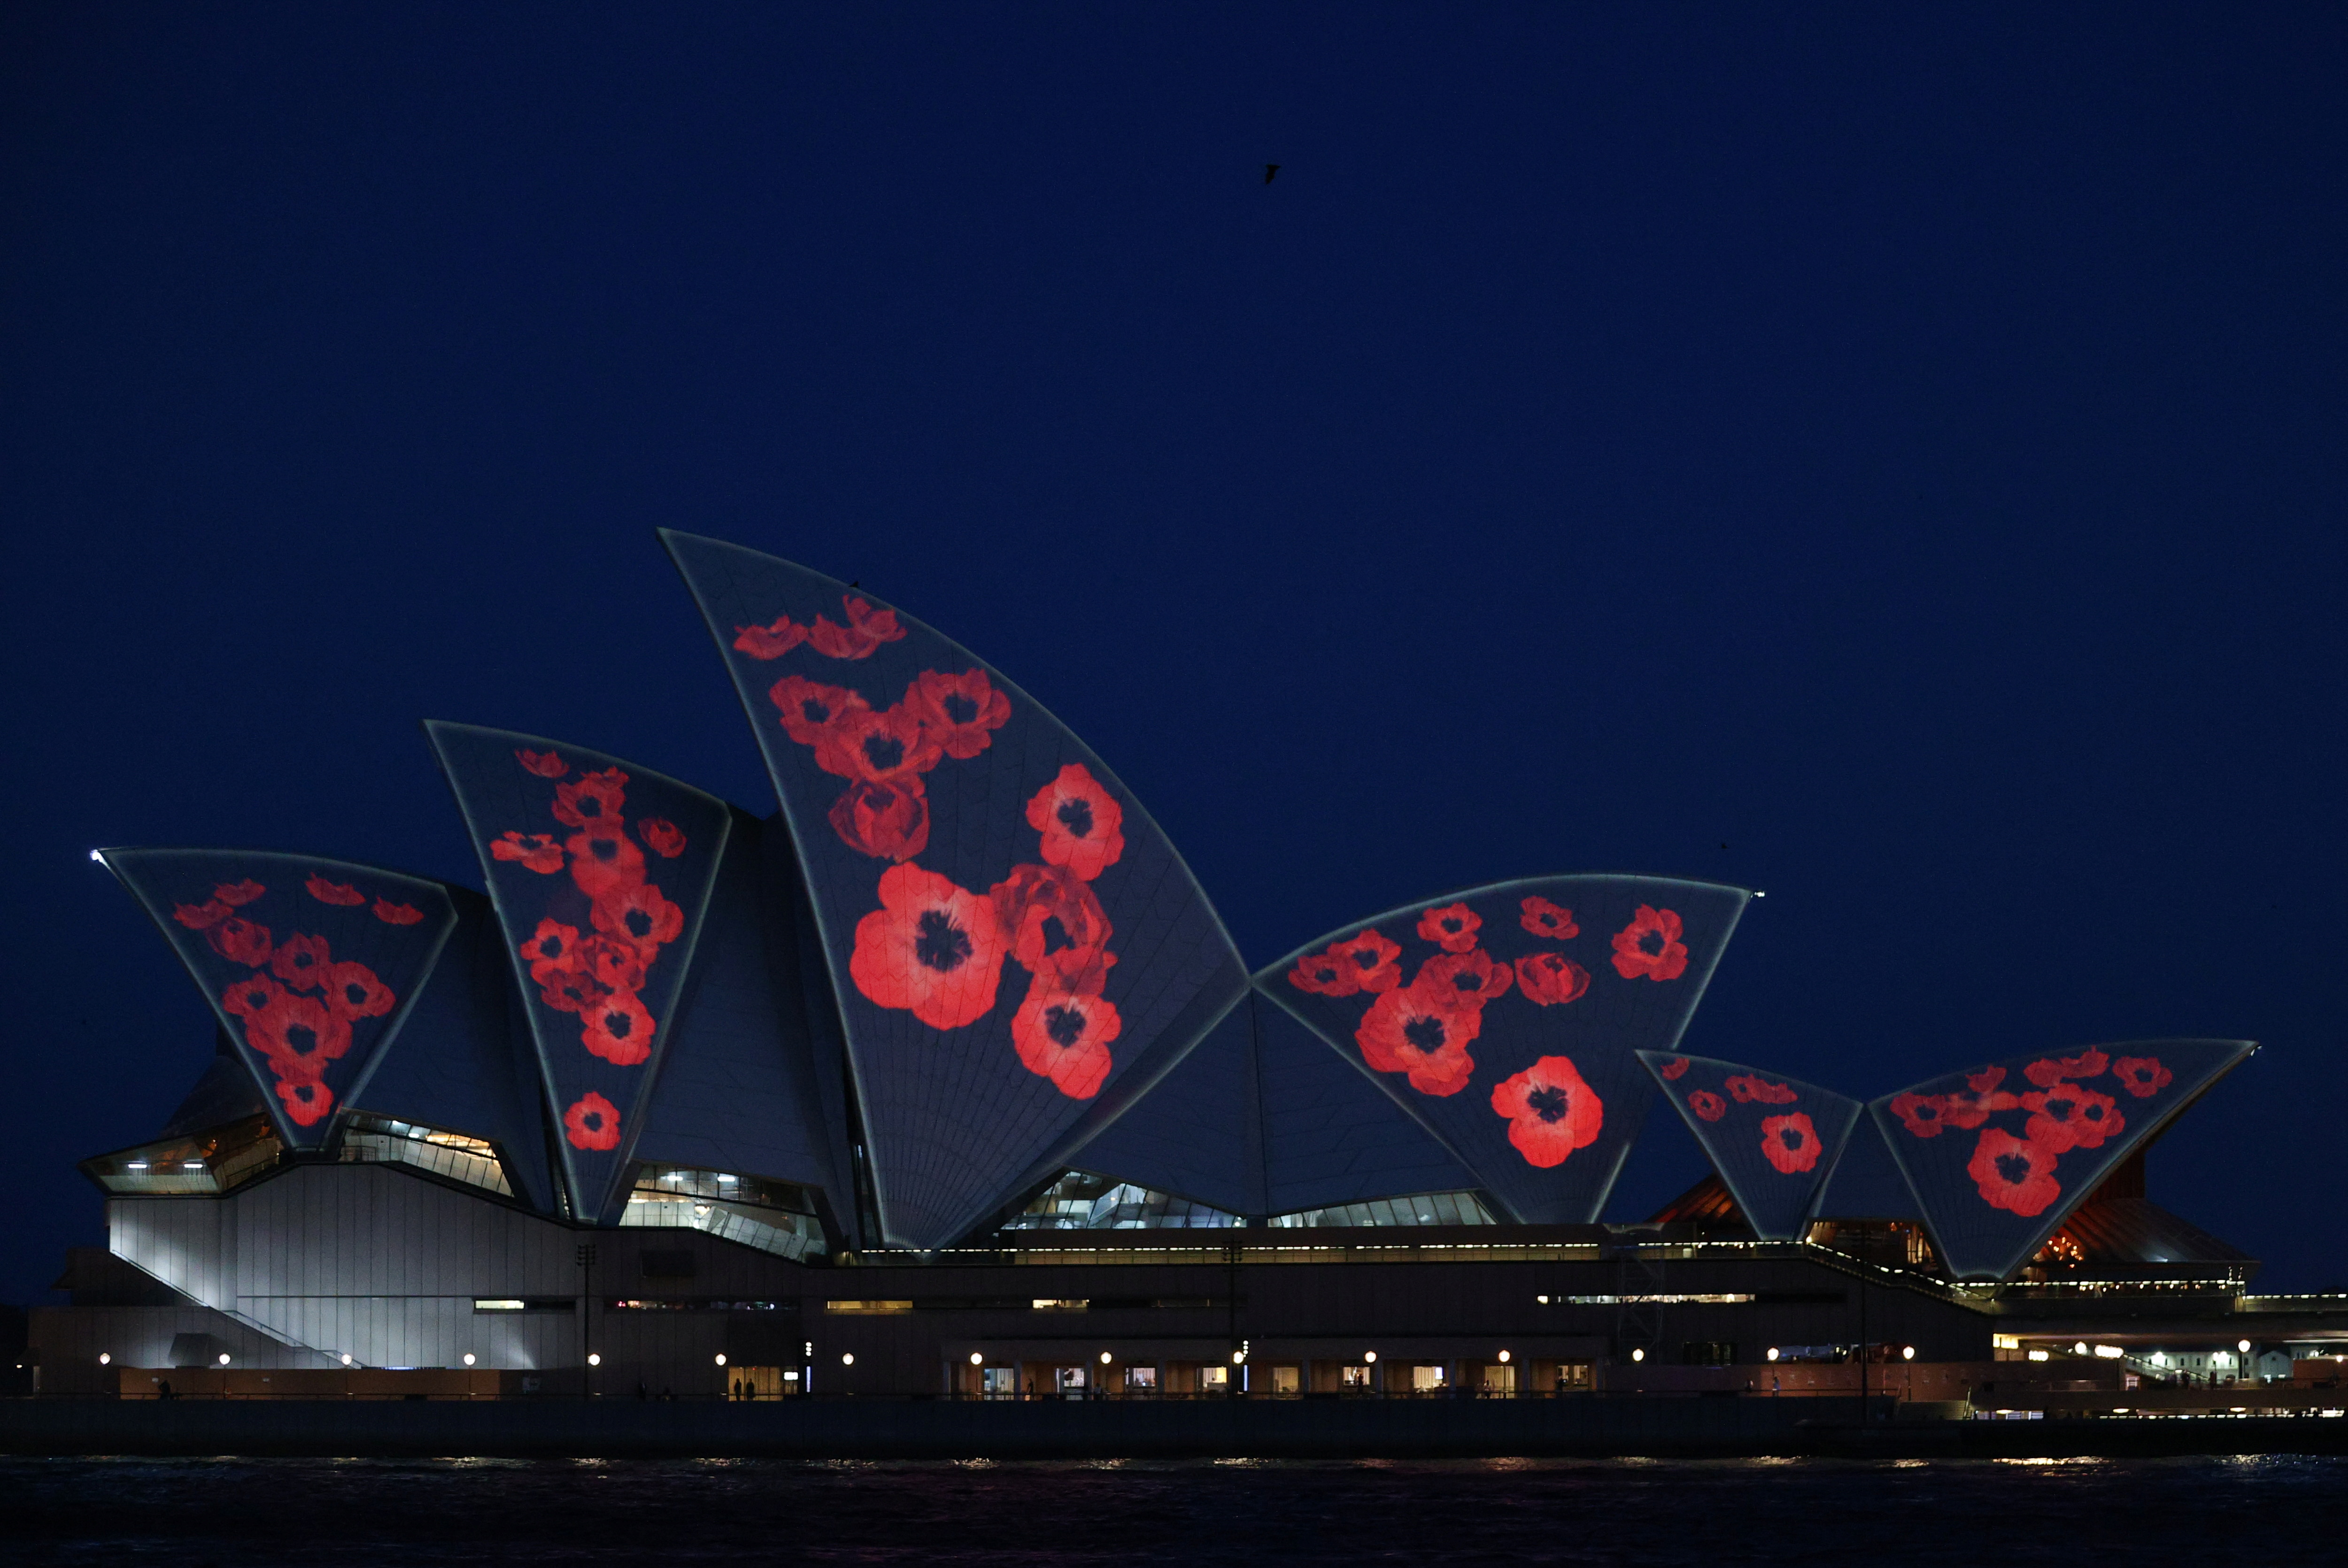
x=946 y=1077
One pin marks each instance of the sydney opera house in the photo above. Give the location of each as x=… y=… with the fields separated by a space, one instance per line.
x=946 y=1078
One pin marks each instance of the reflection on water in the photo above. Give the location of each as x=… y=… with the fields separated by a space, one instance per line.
x=239 y=1514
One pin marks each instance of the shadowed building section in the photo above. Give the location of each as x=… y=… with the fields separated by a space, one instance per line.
x=1774 y=1140
x=600 y=872
x=311 y=965
x=1999 y=1155
x=1016 y=950
x=1506 y=1019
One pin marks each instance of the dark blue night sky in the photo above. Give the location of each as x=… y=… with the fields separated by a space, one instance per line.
x=1892 y=460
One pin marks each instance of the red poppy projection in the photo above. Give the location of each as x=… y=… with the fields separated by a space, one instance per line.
x=598 y=871
x=1017 y=948
x=2000 y=1153
x=308 y=979
x=1507 y=1021
x=1772 y=1140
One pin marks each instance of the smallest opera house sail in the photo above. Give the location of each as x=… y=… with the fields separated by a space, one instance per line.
x=1999 y=1155
x=311 y=965
x=1507 y=1021
x=1773 y=1140
x=600 y=872
x=1018 y=951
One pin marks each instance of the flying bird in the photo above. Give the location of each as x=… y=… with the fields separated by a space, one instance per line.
x=1269 y=170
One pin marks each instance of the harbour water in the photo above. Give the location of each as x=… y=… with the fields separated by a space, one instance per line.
x=241 y=1513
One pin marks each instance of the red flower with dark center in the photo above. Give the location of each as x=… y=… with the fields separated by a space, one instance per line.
x=592 y=800
x=1651 y=946
x=200 y=917
x=662 y=837
x=298 y=1035
x=537 y=852
x=1421 y=1033
x=2086 y=1065
x=545 y=765
x=1055 y=928
x=963 y=711
x=2142 y=1076
x=1472 y=977
x=239 y=941
x=1543 y=919
x=552 y=950
x=570 y=990
x=1675 y=1068
x=1375 y=961
x=1790 y=1143
x=2067 y=1117
x=643 y=917
x=809 y=708
x=1064 y=1036
x=326 y=892
x=931 y=947
x=593 y=1123
x=1081 y=823
x=1708 y=1104
x=605 y=860
x=1325 y=974
x=1987 y=1079
x=250 y=997
x=890 y=747
x=1749 y=1087
x=392 y=914
x=885 y=820
x=866 y=630
x=1550 y=978
x=1452 y=928
x=1550 y=1111
x=772 y=641
x=2015 y=1173
x=353 y=991
x=615 y=966
x=1922 y=1114
x=1969 y=1111
x=307 y=1102
x=236 y=895
x=618 y=1029
x=300 y=961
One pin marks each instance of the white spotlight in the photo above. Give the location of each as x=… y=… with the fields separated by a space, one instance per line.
x=976 y=1359
x=105 y=1359
x=1504 y=1357
x=468 y=1357
x=1370 y=1356
x=98 y=856
x=346 y=1357
x=1638 y=1355
x=848 y=1358
x=594 y=1359
x=721 y=1357
x=1906 y=1352
x=223 y=1358
x=1104 y=1357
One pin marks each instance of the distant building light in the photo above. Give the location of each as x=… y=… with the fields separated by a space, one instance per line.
x=1369 y=1357
x=1906 y=1352
x=193 y=1165
x=728 y=1181
x=721 y=1357
x=2080 y=1348
x=2037 y=1355
x=1105 y=1358
x=1638 y=1355
x=2244 y=1346
x=502 y=1304
x=223 y=1358
x=468 y=1357
x=594 y=1359
x=2110 y=1352
x=1773 y=1352
x=346 y=1357
x=847 y=1357
x=98 y=856
x=976 y=1359
x=137 y=1164
x=104 y=1358
x=1504 y=1357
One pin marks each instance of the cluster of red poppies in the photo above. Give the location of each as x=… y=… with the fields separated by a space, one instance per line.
x=1790 y=1143
x=298 y=1005
x=882 y=753
x=2016 y=1171
x=936 y=949
x=598 y=975
x=1423 y=1030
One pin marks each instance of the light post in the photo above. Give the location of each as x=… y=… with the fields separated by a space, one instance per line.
x=586 y=1256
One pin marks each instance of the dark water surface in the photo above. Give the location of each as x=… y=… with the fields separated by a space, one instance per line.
x=195 y=1513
